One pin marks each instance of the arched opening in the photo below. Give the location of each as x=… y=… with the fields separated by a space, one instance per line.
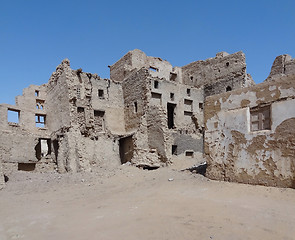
x=228 y=88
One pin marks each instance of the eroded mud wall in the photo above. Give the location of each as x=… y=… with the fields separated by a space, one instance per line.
x=236 y=150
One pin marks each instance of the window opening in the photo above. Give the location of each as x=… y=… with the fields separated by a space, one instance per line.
x=188 y=113
x=201 y=106
x=36 y=93
x=228 y=88
x=26 y=167
x=80 y=109
x=135 y=107
x=174 y=149
x=156 y=84
x=13 y=116
x=154 y=69
x=227 y=64
x=78 y=93
x=173 y=76
x=40 y=120
x=188 y=91
x=101 y=93
x=172 y=96
x=39 y=104
x=191 y=78
x=260 y=118
x=189 y=153
x=170 y=115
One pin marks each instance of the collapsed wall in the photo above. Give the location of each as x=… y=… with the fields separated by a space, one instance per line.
x=223 y=73
x=283 y=65
x=249 y=135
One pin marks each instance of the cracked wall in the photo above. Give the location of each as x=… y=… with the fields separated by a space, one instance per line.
x=237 y=153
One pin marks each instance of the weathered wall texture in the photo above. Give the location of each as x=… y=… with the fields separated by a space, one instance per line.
x=236 y=152
x=225 y=72
x=283 y=65
x=150 y=113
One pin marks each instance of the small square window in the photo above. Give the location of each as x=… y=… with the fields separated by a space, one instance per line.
x=260 y=118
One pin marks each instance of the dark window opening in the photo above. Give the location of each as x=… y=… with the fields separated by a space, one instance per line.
x=228 y=88
x=26 y=167
x=13 y=116
x=173 y=76
x=260 y=118
x=43 y=148
x=172 y=96
x=174 y=149
x=36 y=93
x=170 y=115
x=40 y=120
x=154 y=69
x=135 y=107
x=188 y=113
x=188 y=91
x=201 y=106
x=101 y=93
x=80 y=109
x=191 y=78
x=189 y=153
x=227 y=64
x=156 y=84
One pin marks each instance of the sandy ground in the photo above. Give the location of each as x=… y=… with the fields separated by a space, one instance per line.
x=129 y=203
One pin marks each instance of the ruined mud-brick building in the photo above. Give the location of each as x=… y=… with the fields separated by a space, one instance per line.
x=150 y=114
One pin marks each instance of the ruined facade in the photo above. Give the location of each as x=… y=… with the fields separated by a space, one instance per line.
x=148 y=113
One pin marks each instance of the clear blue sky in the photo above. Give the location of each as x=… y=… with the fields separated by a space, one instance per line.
x=35 y=36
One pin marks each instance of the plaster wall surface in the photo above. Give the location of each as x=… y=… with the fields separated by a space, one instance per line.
x=235 y=152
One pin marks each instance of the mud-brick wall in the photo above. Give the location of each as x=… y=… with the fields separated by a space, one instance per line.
x=135 y=100
x=216 y=74
x=236 y=153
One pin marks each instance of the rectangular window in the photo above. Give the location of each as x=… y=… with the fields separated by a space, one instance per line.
x=36 y=93
x=170 y=115
x=172 y=96
x=154 y=69
x=78 y=93
x=13 y=116
x=156 y=84
x=174 y=149
x=173 y=76
x=189 y=153
x=188 y=91
x=201 y=106
x=100 y=93
x=260 y=118
x=40 y=120
x=135 y=107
